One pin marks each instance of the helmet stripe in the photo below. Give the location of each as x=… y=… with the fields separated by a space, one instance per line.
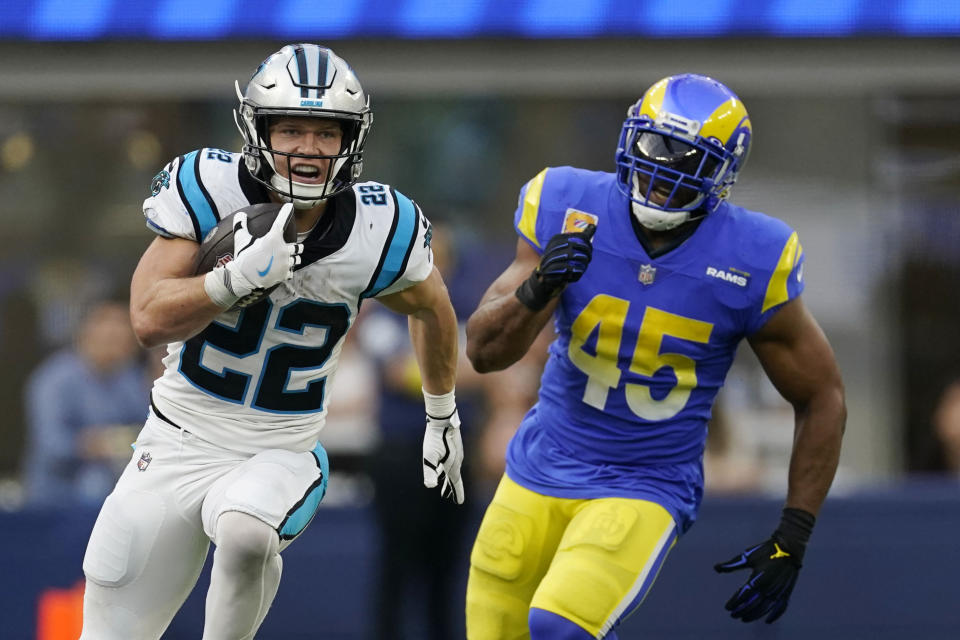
x=311 y=70
x=724 y=120
x=322 y=60
x=653 y=100
x=302 y=77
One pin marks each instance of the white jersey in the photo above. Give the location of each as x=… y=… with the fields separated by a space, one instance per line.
x=259 y=377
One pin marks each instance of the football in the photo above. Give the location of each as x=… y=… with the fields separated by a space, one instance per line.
x=217 y=246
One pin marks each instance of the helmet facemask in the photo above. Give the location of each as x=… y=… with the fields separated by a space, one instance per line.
x=671 y=179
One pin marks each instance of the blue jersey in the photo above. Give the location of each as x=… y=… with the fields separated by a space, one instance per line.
x=644 y=344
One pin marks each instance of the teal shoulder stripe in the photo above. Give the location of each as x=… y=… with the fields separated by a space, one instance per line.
x=395 y=256
x=193 y=194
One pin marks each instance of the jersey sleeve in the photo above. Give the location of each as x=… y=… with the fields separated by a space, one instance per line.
x=180 y=204
x=545 y=206
x=785 y=282
x=406 y=258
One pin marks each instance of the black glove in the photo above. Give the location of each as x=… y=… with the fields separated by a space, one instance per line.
x=563 y=261
x=776 y=564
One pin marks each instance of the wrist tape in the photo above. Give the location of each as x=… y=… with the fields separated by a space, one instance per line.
x=795 y=528
x=217 y=285
x=440 y=406
x=534 y=294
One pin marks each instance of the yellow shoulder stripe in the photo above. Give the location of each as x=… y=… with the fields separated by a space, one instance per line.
x=531 y=207
x=777 y=287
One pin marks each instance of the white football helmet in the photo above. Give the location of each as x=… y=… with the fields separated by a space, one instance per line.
x=303 y=80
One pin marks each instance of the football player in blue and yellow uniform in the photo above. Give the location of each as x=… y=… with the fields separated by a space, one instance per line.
x=652 y=279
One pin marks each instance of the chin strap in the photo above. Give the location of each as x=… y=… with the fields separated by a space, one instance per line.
x=657 y=220
x=287 y=189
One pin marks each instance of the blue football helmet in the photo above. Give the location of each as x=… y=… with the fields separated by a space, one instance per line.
x=681 y=148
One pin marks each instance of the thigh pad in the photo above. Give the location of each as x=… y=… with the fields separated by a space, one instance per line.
x=281 y=488
x=123 y=537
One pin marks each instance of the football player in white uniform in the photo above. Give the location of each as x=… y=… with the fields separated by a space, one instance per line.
x=230 y=451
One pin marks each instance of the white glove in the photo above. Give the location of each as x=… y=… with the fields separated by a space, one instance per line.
x=443 y=455
x=258 y=263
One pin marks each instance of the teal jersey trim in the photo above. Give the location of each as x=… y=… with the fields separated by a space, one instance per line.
x=195 y=196
x=302 y=513
x=398 y=247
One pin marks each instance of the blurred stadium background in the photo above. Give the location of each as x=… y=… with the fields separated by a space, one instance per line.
x=856 y=109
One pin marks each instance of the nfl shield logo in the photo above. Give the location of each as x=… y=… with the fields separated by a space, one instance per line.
x=144 y=461
x=647 y=273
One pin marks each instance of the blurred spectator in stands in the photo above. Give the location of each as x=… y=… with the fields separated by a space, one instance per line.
x=946 y=427
x=351 y=432
x=423 y=538
x=20 y=351
x=509 y=395
x=84 y=406
x=727 y=467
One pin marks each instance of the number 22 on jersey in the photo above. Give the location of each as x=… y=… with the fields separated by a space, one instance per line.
x=607 y=315
x=245 y=341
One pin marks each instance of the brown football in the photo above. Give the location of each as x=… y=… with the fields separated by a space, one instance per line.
x=217 y=246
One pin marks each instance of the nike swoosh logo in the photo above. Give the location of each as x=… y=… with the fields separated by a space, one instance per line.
x=267 y=269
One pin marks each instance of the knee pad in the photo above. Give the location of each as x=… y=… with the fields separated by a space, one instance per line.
x=122 y=538
x=585 y=594
x=243 y=540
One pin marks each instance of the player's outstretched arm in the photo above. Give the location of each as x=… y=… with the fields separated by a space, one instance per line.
x=520 y=301
x=799 y=361
x=433 y=332
x=168 y=303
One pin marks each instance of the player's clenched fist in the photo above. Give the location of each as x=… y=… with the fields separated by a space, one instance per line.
x=564 y=260
x=258 y=263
